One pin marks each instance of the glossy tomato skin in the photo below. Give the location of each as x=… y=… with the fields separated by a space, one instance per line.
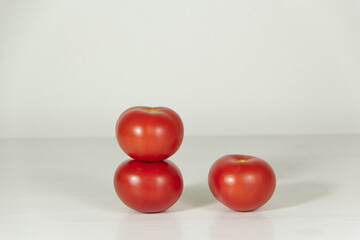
x=148 y=187
x=149 y=134
x=242 y=182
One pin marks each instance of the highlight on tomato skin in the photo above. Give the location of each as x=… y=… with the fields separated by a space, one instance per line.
x=242 y=182
x=148 y=187
x=149 y=133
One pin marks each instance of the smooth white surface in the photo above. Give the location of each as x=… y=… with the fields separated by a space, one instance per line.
x=69 y=68
x=62 y=189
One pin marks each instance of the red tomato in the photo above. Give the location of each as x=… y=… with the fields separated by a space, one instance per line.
x=149 y=134
x=148 y=186
x=241 y=182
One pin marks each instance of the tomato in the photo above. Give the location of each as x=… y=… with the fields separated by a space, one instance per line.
x=148 y=186
x=241 y=182
x=149 y=134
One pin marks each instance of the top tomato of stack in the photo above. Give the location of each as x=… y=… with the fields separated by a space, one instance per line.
x=149 y=134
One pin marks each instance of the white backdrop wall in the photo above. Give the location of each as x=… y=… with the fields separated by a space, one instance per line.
x=69 y=68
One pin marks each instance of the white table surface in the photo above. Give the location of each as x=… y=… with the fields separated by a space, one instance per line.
x=63 y=189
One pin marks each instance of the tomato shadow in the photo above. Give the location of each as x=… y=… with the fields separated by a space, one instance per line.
x=249 y=225
x=292 y=194
x=76 y=173
x=96 y=192
x=194 y=196
x=154 y=226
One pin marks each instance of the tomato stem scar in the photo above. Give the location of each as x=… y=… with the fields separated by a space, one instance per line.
x=152 y=110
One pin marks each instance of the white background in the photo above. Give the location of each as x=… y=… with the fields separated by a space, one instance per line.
x=69 y=68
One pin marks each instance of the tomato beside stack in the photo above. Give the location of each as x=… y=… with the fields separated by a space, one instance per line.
x=149 y=182
x=242 y=182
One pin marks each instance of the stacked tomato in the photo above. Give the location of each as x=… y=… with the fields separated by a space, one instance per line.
x=149 y=182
